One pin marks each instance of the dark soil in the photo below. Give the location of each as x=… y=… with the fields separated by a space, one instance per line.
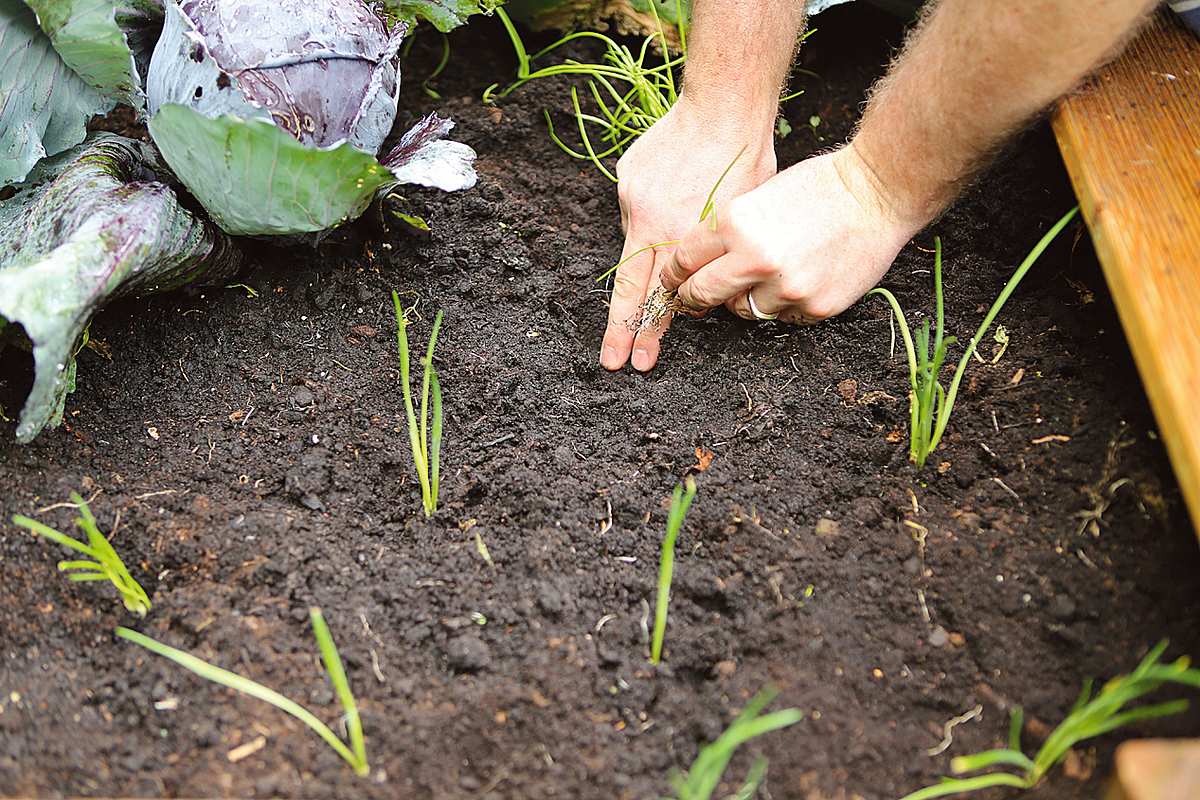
x=254 y=452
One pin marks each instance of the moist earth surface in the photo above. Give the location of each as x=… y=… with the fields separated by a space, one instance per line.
x=249 y=456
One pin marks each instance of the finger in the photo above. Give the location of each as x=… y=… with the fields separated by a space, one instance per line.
x=740 y=305
x=766 y=300
x=721 y=280
x=628 y=294
x=794 y=316
x=700 y=246
x=656 y=318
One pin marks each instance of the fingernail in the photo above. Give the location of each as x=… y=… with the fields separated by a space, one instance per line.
x=641 y=359
x=609 y=358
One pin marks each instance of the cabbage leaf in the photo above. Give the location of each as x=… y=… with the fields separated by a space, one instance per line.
x=44 y=105
x=91 y=37
x=255 y=179
x=446 y=15
x=90 y=225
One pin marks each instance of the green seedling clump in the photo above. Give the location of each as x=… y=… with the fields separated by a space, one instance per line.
x=1089 y=717
x=929 y=404
x=629 y=92
x=426 y=441
x=355 y=755
x=706 y=771
x=631 y=95
x=106 y=564
x=681 y=500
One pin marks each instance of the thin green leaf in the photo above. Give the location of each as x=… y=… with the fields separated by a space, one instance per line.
x=1001 y=299
x=435 y=445
x=246 y=686
x=953 y=786
x=990 y=758
x=337 y=677
x=681 y=500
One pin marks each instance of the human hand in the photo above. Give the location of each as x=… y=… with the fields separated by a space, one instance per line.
x=809 y=242
x=665 y=178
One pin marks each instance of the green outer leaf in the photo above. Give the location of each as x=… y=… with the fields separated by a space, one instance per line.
x=86 y=35
x=446 y=15
x=89 y=227
x=44 y=106
x=255 y=179
x=245 y=686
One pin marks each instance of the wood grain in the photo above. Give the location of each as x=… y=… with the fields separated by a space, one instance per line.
x=1131 y=142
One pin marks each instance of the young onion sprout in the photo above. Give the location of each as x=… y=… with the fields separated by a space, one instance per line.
x=106 y=564
x=706 y=771
x=355 y=754
x=426 y=441
x=1088 y=718
x=929 y=404
x=681 y=500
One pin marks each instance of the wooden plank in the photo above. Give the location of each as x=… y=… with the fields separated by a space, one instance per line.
x=1131 y=142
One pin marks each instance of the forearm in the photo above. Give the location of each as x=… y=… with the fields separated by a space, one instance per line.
x=971 y=74
x=739 y=53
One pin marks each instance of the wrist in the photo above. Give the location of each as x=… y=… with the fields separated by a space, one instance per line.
x=749 y=125
x=903 y=202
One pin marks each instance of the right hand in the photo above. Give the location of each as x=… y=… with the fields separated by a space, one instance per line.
x=665 y=178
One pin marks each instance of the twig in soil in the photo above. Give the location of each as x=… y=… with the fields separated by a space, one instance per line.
x=948 y=731
x=749 y=402
x=355 y=755
x=929 y=403
x=606 y=526
x=496 y=441
x=706 y=771
x=681 y=500
x=644 y=622
x=426 y=442
x=106 y=566
x=55 y=506
x=1089 y=717
x=1008 y=489
x=924 y=608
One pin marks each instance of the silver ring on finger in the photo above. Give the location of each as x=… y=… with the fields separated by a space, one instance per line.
x=754 y=309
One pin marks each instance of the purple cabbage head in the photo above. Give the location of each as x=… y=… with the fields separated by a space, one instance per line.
x=323 y=70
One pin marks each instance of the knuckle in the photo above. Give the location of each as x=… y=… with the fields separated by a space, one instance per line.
x=820 y=308
x=739 y=212
x=796 y=291
x=625 y=285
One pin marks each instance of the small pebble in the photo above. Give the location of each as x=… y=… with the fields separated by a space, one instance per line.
x=826 y=527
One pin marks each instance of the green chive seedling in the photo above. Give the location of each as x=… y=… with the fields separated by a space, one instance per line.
x=930 y=404
x=355 y=754
x=630 y=94
x=106 y=564
x=681 y=500
x=706 y=771
x=1089 y=717
x=426 y=441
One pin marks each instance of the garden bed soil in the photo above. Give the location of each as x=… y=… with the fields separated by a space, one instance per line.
x=254 y=451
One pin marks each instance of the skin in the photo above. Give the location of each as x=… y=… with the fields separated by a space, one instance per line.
x=810 y=241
